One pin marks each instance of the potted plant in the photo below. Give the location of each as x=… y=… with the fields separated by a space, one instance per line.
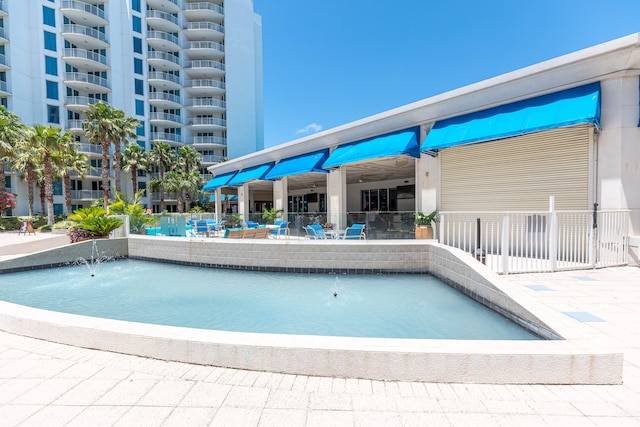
x=424 y=224
x=271 y=215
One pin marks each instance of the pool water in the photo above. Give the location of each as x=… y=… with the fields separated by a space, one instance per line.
x=387 y=306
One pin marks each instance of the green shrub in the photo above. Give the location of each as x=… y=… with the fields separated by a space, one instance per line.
x=84 y=213
x=100 y=226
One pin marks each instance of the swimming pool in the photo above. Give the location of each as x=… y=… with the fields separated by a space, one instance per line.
x=380 y=306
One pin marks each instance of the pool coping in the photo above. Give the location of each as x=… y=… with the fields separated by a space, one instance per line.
x=576 y=359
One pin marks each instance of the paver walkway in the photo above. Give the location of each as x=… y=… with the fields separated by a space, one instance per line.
x=47 y=384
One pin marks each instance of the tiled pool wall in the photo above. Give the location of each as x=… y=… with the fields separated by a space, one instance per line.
x=462 y=361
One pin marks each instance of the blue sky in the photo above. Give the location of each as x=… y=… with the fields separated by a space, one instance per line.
x=330 y=62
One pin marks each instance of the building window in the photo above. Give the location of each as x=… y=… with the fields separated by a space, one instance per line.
x=53 y=114
x=48 y=16
x=7 y=181
x=57 y=208
x=140 y=130
x=52 y=90
x=137 y=66
x=51 y=65
x=139 y=87
x=50 y=41
x=135 y=5
x=137 y=45
x=4 y=102
x=137 y=24
x=57 y=188
x=139 y=107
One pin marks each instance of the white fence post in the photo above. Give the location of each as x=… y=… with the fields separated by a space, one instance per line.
x=553 y=235
x=504 y=247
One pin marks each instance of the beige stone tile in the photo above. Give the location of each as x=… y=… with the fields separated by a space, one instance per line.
x=233 y=417
x=206 y=395
x=144 y=416
x=283 y=417
x=98 y=416
x=192 y=417
x=166 y=393
x=323 y=418
x=246 y=397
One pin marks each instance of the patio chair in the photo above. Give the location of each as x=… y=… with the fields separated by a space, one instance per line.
x=355 y=232
x=311 y=233
x=202 y=228
x=319 y=231
x=252 y=224
x=282 y=230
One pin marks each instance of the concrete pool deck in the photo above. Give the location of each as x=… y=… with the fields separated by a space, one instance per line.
x=46 y=381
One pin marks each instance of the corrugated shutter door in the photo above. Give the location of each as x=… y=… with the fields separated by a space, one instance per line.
x=518 y=173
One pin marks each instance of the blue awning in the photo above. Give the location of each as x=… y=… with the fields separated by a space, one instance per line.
x=310 y=162
x=403 y=143
x=250 y=174
x=224 y=198
x=564 y=108
x=218 y=181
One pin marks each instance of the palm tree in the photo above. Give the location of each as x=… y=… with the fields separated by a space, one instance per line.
x=70 y=160
x=190 y=160
x=134 y=159
x=101 y=127
x=125 y=128
x=179 y=182
x=27 y=160
x=48 y=139
x=164 y=158
x=10 y=131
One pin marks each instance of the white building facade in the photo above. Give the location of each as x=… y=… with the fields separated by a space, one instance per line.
x=189 y=71
x=563 y=134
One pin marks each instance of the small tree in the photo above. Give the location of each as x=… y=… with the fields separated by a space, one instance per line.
x=7 y=201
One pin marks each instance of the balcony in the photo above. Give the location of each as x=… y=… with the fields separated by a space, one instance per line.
x=92 y=148
x=4 y=88
x=94 y=173
x=162 y=21
x=209 y=105
x=203 y=11
x=207 y=123
x=84 y=13
x=204 y=50
x=208 y=159
x=164 y=81
x=165 y=120
x=86 y=37
x=167 y=196
x=204 y=68
x=4 y=34
x=3 y=8
x=86 y=82
x=4 y=62
x=166 y=42
x=170 y=138
x=74 y=126
x=86 y=60
x=163 y=61
x=163 y=100
x=79 y=103
x=205 y=87
x=209 y=141
x=169 y=6
x=86 y=194
x=204 y=31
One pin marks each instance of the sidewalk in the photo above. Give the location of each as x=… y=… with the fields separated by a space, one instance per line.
x=13 y=244
x=43 y=383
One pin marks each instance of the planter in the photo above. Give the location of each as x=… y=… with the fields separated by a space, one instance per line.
x=424 y=232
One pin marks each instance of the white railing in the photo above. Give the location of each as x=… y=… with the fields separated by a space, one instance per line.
x=517 y=242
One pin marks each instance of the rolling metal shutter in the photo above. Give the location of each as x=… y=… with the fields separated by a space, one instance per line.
x=519 y=173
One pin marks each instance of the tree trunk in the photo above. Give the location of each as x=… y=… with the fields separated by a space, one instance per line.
x=134 y=178
x=161 y=189
x=3 y=185
x=180 y=206
x=67 y=191
x=31 y=179
x=105 y=174
x=42 y=208
x=187 y=201
x=48 y=188
x=117 y=166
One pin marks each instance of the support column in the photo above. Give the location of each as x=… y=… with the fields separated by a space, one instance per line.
x=280 y=195
x=337 y=198
x=427 y=177
x=218 y=202
x=243 y=201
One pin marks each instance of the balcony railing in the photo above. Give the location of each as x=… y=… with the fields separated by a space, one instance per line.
x=204 y=26
x=4 y=60
x=208 y=140
x=166 y=117
x=158 y=75
x=203 y=83
x=87 y=78
x=205 y=45
x=3 y=33
x=162 y=15
x=207 y=121
x=163 y=36
x=162 y=96
x=74 y=124
x=81 y=100
x=92 y=148
x=205 y=64
x=3 y=8
x=207 y=102
x=164 y=136
x=4 y=86
x=86 y=54
x=154 y=54
x=86 y=194
x=87 y=31
x=95 y=173
x=80 y=5
x=204 y=5
x=209 y=158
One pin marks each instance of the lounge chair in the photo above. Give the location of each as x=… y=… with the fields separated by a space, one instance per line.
x=355 y=232
x=252 y=224
x=320 y=234
x=311 y=233
x=282 y=230
x=202 y=229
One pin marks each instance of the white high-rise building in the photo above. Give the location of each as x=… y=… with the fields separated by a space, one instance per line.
x=189 y=70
